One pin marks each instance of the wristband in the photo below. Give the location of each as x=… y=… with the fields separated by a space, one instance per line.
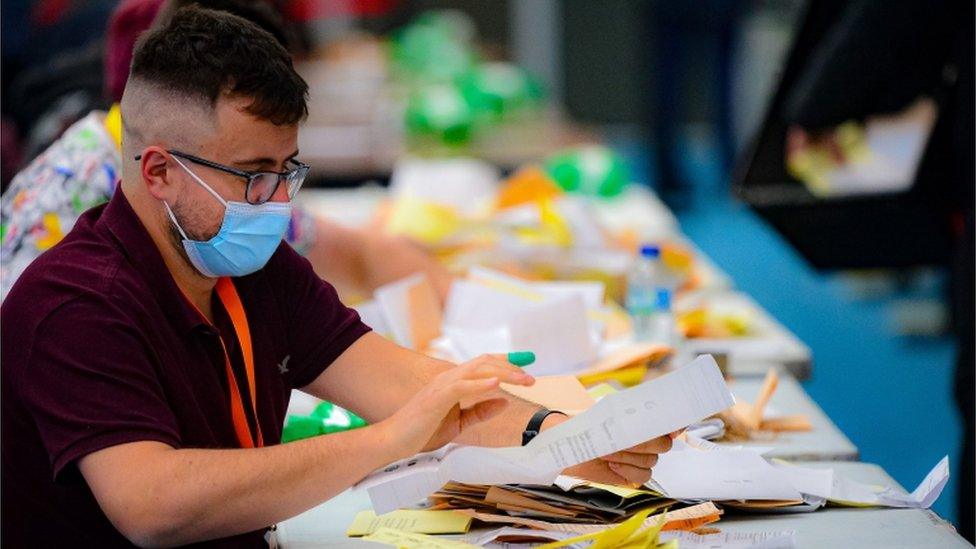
x=535 y=424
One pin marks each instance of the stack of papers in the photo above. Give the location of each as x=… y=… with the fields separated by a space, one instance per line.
x=585 y=503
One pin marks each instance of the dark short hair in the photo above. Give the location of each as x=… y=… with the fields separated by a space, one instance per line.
x=202 y=53
x=260 y=12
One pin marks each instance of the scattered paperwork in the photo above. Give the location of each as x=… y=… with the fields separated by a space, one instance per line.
x=699 y=470
x=849 y=492
x=618 y=421
x=690 y=474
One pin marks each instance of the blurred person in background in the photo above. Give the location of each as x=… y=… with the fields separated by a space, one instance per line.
x=81 y=169
x=878 y=58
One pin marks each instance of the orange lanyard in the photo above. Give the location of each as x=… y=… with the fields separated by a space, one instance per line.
x=235 y=309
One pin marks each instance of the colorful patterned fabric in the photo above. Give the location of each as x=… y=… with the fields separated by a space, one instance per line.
x=78 y=171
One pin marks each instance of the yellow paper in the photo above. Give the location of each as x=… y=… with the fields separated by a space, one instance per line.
x=611 y=537
x=627 y=377
x=410 y=520
x=639 y=354
x=409 y=540
x=601 y=390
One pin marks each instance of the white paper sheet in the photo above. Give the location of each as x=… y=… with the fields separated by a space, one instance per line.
x=465 y=184
x=557 y=333
x=845 y=490
x=474 y=306
x=785 y=539
x=807 y=481
x=616 y=422
x=689 y=474
x=592 y=293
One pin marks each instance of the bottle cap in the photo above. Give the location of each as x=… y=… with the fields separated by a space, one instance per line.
x=650 y=251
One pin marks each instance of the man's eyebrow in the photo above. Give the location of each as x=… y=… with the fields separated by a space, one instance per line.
x=262 y=161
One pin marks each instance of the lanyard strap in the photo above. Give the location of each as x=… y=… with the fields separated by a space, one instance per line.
x=235 y=309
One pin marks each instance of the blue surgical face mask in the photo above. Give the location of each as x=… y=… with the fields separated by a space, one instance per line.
x=247 y=238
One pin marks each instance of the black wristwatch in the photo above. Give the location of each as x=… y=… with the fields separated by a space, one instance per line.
x=535 y=424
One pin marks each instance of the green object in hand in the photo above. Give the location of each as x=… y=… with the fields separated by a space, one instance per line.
x=521 y=358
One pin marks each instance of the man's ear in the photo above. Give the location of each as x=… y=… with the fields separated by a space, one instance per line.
x=156 y=169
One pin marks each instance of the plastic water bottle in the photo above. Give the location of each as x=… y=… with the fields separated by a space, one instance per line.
x=662 y=327
x=643 y=281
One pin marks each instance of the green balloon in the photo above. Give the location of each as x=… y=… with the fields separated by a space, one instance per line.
x=591 y=170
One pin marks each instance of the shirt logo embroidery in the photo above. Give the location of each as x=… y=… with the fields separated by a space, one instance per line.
x=283 y=367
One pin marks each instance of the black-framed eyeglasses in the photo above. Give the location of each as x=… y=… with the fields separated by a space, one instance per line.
x=261 y=186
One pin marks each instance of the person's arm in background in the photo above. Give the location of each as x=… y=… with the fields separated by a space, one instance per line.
x=358 y=261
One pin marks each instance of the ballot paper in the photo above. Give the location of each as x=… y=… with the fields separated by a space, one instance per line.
x=689 y=474
x=850 y=492
x=418 y=521
x=475 y=306
x=785 y=539
x=465 y=184
x=807 y=481
x=616 y=422
x=563 y=393
x=410 y=540
x=687 y=518
x=557 y=333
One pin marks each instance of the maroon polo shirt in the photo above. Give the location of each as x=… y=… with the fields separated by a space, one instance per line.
x=99 y=347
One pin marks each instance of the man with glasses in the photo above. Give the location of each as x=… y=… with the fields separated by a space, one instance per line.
x=148 y=357
x=80 y=169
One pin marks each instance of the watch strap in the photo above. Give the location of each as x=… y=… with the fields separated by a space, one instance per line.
x=535 y=424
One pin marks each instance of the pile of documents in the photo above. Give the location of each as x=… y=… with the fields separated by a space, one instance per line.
x=581 y=503
x=568 y=325
x=740 y=477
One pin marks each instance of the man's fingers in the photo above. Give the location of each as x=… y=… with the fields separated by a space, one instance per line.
x=642 y=461
x=494 y=366
x=657 y=445
x=633 y=475
x=605 y=475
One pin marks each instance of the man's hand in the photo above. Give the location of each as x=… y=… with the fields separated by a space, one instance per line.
x=630 y=467
x=453 y=401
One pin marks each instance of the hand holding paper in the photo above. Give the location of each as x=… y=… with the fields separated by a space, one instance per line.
x=617 y=422
x=434 y=417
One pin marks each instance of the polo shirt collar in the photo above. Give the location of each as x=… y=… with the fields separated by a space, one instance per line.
x=140 y=250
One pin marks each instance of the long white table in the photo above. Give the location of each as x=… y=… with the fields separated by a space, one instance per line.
x=825 y=442
x=324 y=526
x=640 y=210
